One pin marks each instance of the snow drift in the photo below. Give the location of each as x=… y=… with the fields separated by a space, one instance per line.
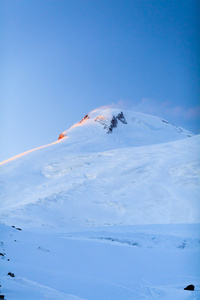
x=101 y=173
x=108 y=211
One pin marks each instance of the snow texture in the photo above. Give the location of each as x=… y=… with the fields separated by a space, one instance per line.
x=110 y=211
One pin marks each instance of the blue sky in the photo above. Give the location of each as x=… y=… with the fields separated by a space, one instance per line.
x=61 y=59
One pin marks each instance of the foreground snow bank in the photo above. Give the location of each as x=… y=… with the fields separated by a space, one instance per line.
x=131 y=262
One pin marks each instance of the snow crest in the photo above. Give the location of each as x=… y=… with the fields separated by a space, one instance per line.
x=109 y=211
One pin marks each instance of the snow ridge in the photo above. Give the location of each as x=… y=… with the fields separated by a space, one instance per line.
x=141 y=129
x=109 y=211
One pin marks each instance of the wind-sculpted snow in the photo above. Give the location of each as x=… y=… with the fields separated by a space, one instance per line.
x=110 y=211
x=135 y=185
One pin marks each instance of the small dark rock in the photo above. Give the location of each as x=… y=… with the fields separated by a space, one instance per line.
x=189 y=287
x=84 y=118
x=13 y=226
x=1 y=254
x=113 y=124
x=121 y=118
x=11 y=274
x=8 y=259
x=18 y=228
x=2 y=297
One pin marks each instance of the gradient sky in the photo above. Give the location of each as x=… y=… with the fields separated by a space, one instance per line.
x=61 y=59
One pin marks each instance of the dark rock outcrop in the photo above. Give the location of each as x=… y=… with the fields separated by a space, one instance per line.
x=113 y=124
x=121 y=117
x=189 y=287
x=108 y=124
x=114 y=121
x=84 y=118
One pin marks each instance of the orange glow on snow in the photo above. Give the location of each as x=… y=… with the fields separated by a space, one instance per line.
x=100 y=118
x=61 y=136
x=75 y=125
x=29 y=151
x=81 y=122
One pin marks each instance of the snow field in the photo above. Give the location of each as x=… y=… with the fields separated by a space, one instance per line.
x=103 y=215
x=135 y=185
x=127 y=262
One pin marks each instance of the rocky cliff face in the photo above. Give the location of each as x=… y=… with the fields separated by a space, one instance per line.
x=110 y=123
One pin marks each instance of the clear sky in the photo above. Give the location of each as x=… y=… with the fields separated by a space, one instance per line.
x=61 y=59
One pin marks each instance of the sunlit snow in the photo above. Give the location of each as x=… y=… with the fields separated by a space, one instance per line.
x=105 y=214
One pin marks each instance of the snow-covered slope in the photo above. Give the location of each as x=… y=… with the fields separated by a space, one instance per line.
x=104 y=263
x=88 y=204
x=78 y=181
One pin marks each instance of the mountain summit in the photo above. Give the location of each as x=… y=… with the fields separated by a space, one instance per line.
x=111 y=128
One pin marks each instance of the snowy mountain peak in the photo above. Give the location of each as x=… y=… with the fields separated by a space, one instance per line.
x=108 y=119
x=98 y=211
x=124 y=127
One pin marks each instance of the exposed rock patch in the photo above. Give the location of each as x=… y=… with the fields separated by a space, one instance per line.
x=61 y=136
x=86 y=117
x=189 y=287
x=108 y=124
x=121 y=117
